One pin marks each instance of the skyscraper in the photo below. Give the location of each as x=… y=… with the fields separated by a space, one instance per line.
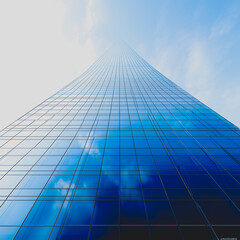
x=120 y=153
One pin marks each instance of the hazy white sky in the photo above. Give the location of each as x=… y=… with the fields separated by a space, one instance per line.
x=45 y=44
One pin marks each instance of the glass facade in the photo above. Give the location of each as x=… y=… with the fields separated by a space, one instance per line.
x=120 y=153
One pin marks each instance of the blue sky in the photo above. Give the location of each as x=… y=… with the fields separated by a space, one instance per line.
x=45 y=44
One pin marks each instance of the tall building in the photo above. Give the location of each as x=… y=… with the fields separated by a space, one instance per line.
x=120 y=153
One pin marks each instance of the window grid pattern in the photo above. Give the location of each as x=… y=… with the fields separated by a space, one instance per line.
x=120 y=153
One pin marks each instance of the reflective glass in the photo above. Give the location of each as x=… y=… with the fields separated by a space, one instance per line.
x=120 y=153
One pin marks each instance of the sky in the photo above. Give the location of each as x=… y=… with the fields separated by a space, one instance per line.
x=46 y=44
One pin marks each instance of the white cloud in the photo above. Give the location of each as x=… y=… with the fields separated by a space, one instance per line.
x=224 y=24
x=199 y=70
x=37 y=56
x=91 y=18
